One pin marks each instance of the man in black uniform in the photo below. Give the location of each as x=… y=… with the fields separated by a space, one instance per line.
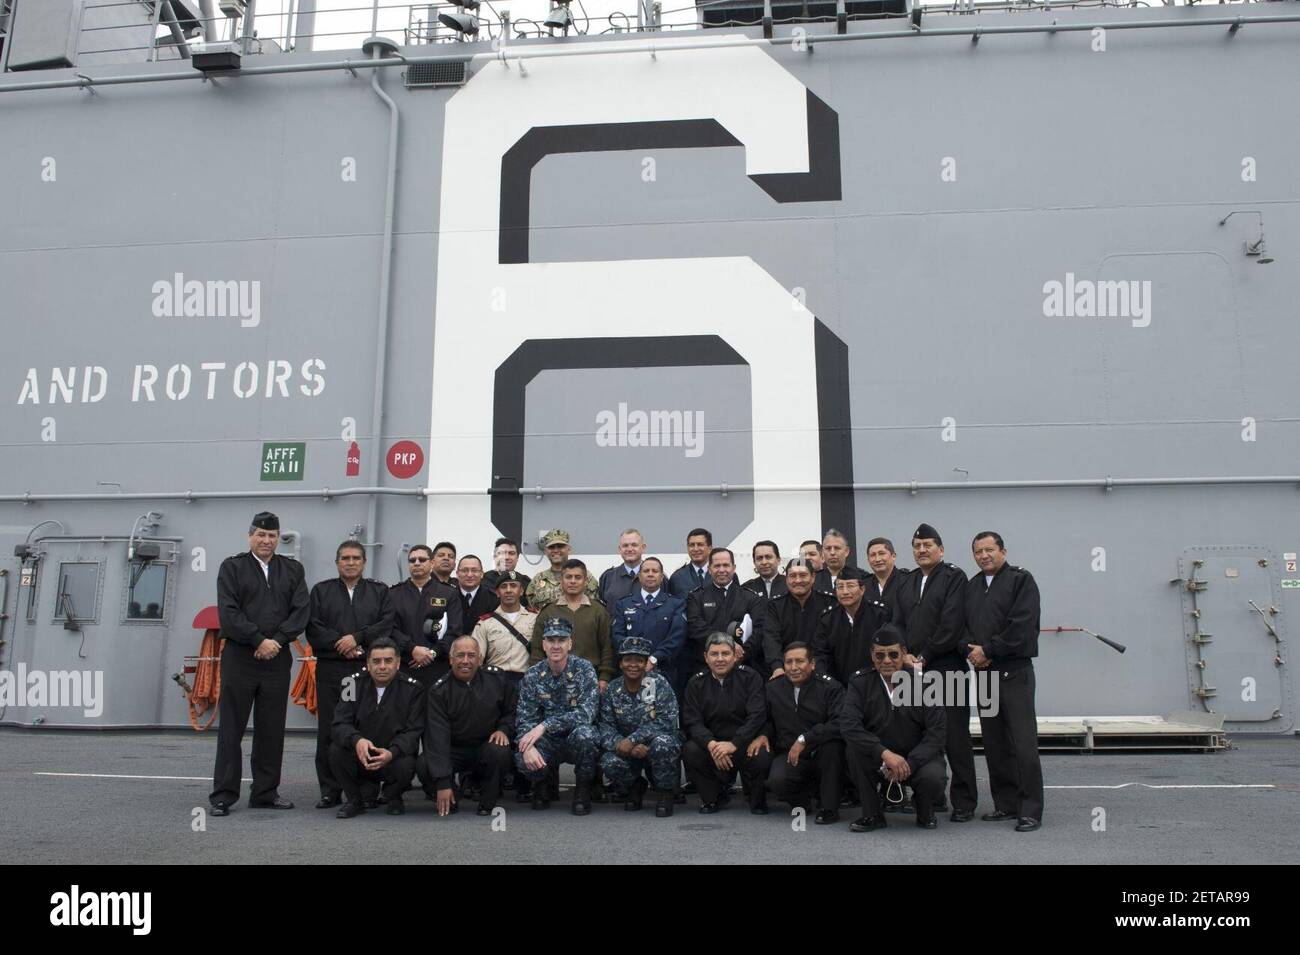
x=842 y=644
x=885 y=578
x=722 y=718
x=347 y=614
x=1002 y=620
x=377 y=727
x=836 y=551
x=471 y=715
x=894 y=741
x=930 y=610
x=263 y=605
x=476 y=600
x=420 y=598
x=769 y=583
x=804 y=728
x=794 y=615
x=722 y=605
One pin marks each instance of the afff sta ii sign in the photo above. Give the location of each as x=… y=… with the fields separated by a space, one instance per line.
x=283 y=461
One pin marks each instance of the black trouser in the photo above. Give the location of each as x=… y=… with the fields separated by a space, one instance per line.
x=351 y=776
x=964 y=792
x=247 y=682
x=927 y=783
x=330 y=675
x=489 y=764
x=709 y=780
x=1011 y=746
x=823 y=766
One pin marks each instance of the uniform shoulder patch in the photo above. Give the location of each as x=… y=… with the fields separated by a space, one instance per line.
x=493 y=669
x=441 y=680
x=827 y=677
x=696 y=676
x=856 y=674
x=485 y=616
x=411 y=679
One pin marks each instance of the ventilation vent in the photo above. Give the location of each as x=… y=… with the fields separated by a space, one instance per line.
x=433 y=75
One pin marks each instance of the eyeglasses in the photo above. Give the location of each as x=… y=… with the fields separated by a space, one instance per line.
x=885 y=654
x=417 y=560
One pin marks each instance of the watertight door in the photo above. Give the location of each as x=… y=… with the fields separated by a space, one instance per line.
x=1234 y=627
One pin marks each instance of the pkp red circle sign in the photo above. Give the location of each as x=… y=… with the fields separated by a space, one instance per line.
x=405 y=460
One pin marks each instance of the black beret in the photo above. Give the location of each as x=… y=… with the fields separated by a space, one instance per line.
x=266 y=521
x=926 y=532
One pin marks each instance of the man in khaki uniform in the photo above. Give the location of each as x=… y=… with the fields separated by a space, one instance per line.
x=545 y=589
x=503 y=636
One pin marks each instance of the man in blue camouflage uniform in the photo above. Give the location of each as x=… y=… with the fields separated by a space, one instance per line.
x=638 y=730
x=556 y=717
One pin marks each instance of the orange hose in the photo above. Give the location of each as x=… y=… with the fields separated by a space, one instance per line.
x=303 y=691
x=207 y=680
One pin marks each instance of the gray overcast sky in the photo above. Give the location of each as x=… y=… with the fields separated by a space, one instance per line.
x=342 y=24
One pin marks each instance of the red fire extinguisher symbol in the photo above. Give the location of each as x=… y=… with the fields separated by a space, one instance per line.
x=354 y=460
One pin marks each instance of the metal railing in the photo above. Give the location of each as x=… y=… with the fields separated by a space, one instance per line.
x=284 y=25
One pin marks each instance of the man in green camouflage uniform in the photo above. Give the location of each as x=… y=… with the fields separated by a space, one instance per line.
x=544 y=589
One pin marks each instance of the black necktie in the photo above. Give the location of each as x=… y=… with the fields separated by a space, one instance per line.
x=699 y=576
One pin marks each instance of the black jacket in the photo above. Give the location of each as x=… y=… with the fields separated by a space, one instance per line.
x=615 y=584
x=841 y=648
x=816 y=716
x=367 y=615
x=1004 y=618
x=756 y=585
x=889 y=595
x=787 y=622
x=871 y=722
x=466 y=714
x=708 y=610
x=395 y=723
x=733 y=710
x=413 y=606
x=485 y=601
x=253 y=606
x=934 y=621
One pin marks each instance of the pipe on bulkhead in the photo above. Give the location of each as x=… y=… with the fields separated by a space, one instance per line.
x=377 y=48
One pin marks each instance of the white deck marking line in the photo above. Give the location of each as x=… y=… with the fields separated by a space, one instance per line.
x=197 y=779
x=200 y=779
x=1175 y=786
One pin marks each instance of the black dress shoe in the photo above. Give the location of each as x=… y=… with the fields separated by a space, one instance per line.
x=827 y=816
x=866 y=824
x=998 y=816
x=926 y=822
x=1027 y=824
x=396 y=807
x=278 y=804
x=327 y=802
x=350 y=809
x=663 y=805
x=220 y=809
x=759 y=810
x=581 y=800
x=962 y=815
x=892 y=807
x=941 y=806
x=539 y=799
x=522 y=797
x=371 y=803
x=680 y=799
x=708 y=808
x=485 y=809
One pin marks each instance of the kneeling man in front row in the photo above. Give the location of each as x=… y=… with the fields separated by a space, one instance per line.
x=556 y=717
x=723 y=717
x=890 y=738
x=471 y=714
x=377 y=727
x=638 y=731
x=804 y=729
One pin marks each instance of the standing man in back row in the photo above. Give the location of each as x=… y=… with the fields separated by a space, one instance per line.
x=930 y=610
x=621 y=580
x=263 y=605
x=1002 y=621
x=348 y=612
x=835 y=557
x=545 y=589
x=693 y=574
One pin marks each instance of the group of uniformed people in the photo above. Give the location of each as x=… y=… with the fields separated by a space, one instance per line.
x=792 y=681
